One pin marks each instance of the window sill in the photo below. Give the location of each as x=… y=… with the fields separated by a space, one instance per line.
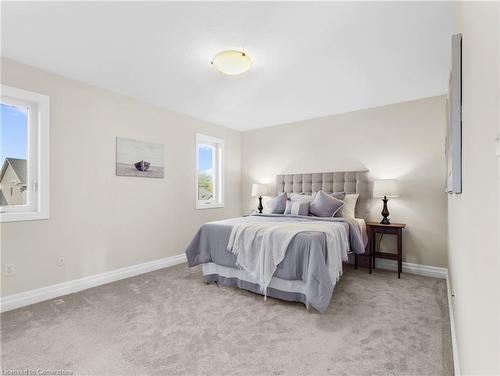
x=209 y=206
x=22 y=216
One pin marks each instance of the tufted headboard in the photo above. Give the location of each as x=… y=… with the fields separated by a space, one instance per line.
x=329 y=182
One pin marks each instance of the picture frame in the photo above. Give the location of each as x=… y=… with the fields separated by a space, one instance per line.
x=139 y=158
x=453 y=147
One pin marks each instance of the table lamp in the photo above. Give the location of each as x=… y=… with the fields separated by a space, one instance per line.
x=259 y=190
x=386 y=188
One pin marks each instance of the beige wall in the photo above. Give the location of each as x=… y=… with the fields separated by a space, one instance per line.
x=403 y=141
x=99 y=221
x=474 y=252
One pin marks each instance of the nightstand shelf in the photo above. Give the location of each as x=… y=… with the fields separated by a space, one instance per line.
x=375 y=228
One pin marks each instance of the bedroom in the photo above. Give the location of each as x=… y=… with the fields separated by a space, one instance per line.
x=127 y=152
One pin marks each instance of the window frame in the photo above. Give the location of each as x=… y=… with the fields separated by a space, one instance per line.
x=37 y=180
x=218 y=144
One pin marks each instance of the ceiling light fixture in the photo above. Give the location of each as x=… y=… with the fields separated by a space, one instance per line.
x=231 y=62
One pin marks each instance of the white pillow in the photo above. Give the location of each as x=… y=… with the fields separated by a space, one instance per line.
x=300 y=197
x=349 y=209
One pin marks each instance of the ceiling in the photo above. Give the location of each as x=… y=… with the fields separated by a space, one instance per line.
x=311 y=59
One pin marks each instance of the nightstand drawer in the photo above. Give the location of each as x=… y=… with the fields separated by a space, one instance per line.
x=386 y=230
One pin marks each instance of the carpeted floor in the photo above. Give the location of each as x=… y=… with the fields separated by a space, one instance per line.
x=169 y=322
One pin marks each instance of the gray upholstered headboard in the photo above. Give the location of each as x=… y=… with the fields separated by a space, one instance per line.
x=329 y=182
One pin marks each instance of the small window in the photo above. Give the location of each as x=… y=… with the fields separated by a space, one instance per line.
x=209 y=172
x=23 y=155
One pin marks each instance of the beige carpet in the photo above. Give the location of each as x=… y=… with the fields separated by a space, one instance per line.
x=168 y=322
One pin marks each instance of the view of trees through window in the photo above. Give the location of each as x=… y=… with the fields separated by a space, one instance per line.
x=206 y=172
x=13 y=155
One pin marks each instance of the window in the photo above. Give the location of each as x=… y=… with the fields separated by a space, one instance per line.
x=209 y=172
x=24 y=155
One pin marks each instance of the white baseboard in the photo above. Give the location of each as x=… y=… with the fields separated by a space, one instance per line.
x=408 y=267
x=22 y=299
x=454 y=345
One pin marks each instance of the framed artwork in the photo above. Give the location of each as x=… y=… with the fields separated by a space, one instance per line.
x=454 y=119
x=139 y=158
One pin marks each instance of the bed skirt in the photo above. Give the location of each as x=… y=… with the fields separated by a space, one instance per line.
x=292 y=291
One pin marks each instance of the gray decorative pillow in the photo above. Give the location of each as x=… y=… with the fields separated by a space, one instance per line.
x=277 y=204
x=300 y=197
x=338 y=195
x=296 y=197
x=299 y=208
x=325 y=205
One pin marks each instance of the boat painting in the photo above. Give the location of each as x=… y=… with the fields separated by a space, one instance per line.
x=139 y=158
x=142 y=165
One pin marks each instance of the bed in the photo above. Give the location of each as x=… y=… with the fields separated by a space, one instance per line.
x=305 y=273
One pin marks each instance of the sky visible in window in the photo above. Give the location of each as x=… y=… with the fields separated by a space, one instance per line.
x=13 y=132
x=205 y=157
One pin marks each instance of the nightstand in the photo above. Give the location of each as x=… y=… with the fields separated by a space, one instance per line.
x=375 y=228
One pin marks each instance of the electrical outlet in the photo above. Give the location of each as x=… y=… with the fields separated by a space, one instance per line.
x=9 y=269
x=60 y=261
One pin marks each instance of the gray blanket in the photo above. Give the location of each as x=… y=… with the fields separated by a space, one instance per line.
x=305 y=258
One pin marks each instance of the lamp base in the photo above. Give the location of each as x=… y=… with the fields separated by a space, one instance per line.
x=260 y=207
x=385 y=213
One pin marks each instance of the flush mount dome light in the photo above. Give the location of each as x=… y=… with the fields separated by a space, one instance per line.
x=231 y=62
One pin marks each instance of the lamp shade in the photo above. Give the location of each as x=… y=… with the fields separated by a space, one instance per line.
x=385 y=187
x=259 y=189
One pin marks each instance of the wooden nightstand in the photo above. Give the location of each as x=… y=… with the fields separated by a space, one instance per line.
x=374 y=228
